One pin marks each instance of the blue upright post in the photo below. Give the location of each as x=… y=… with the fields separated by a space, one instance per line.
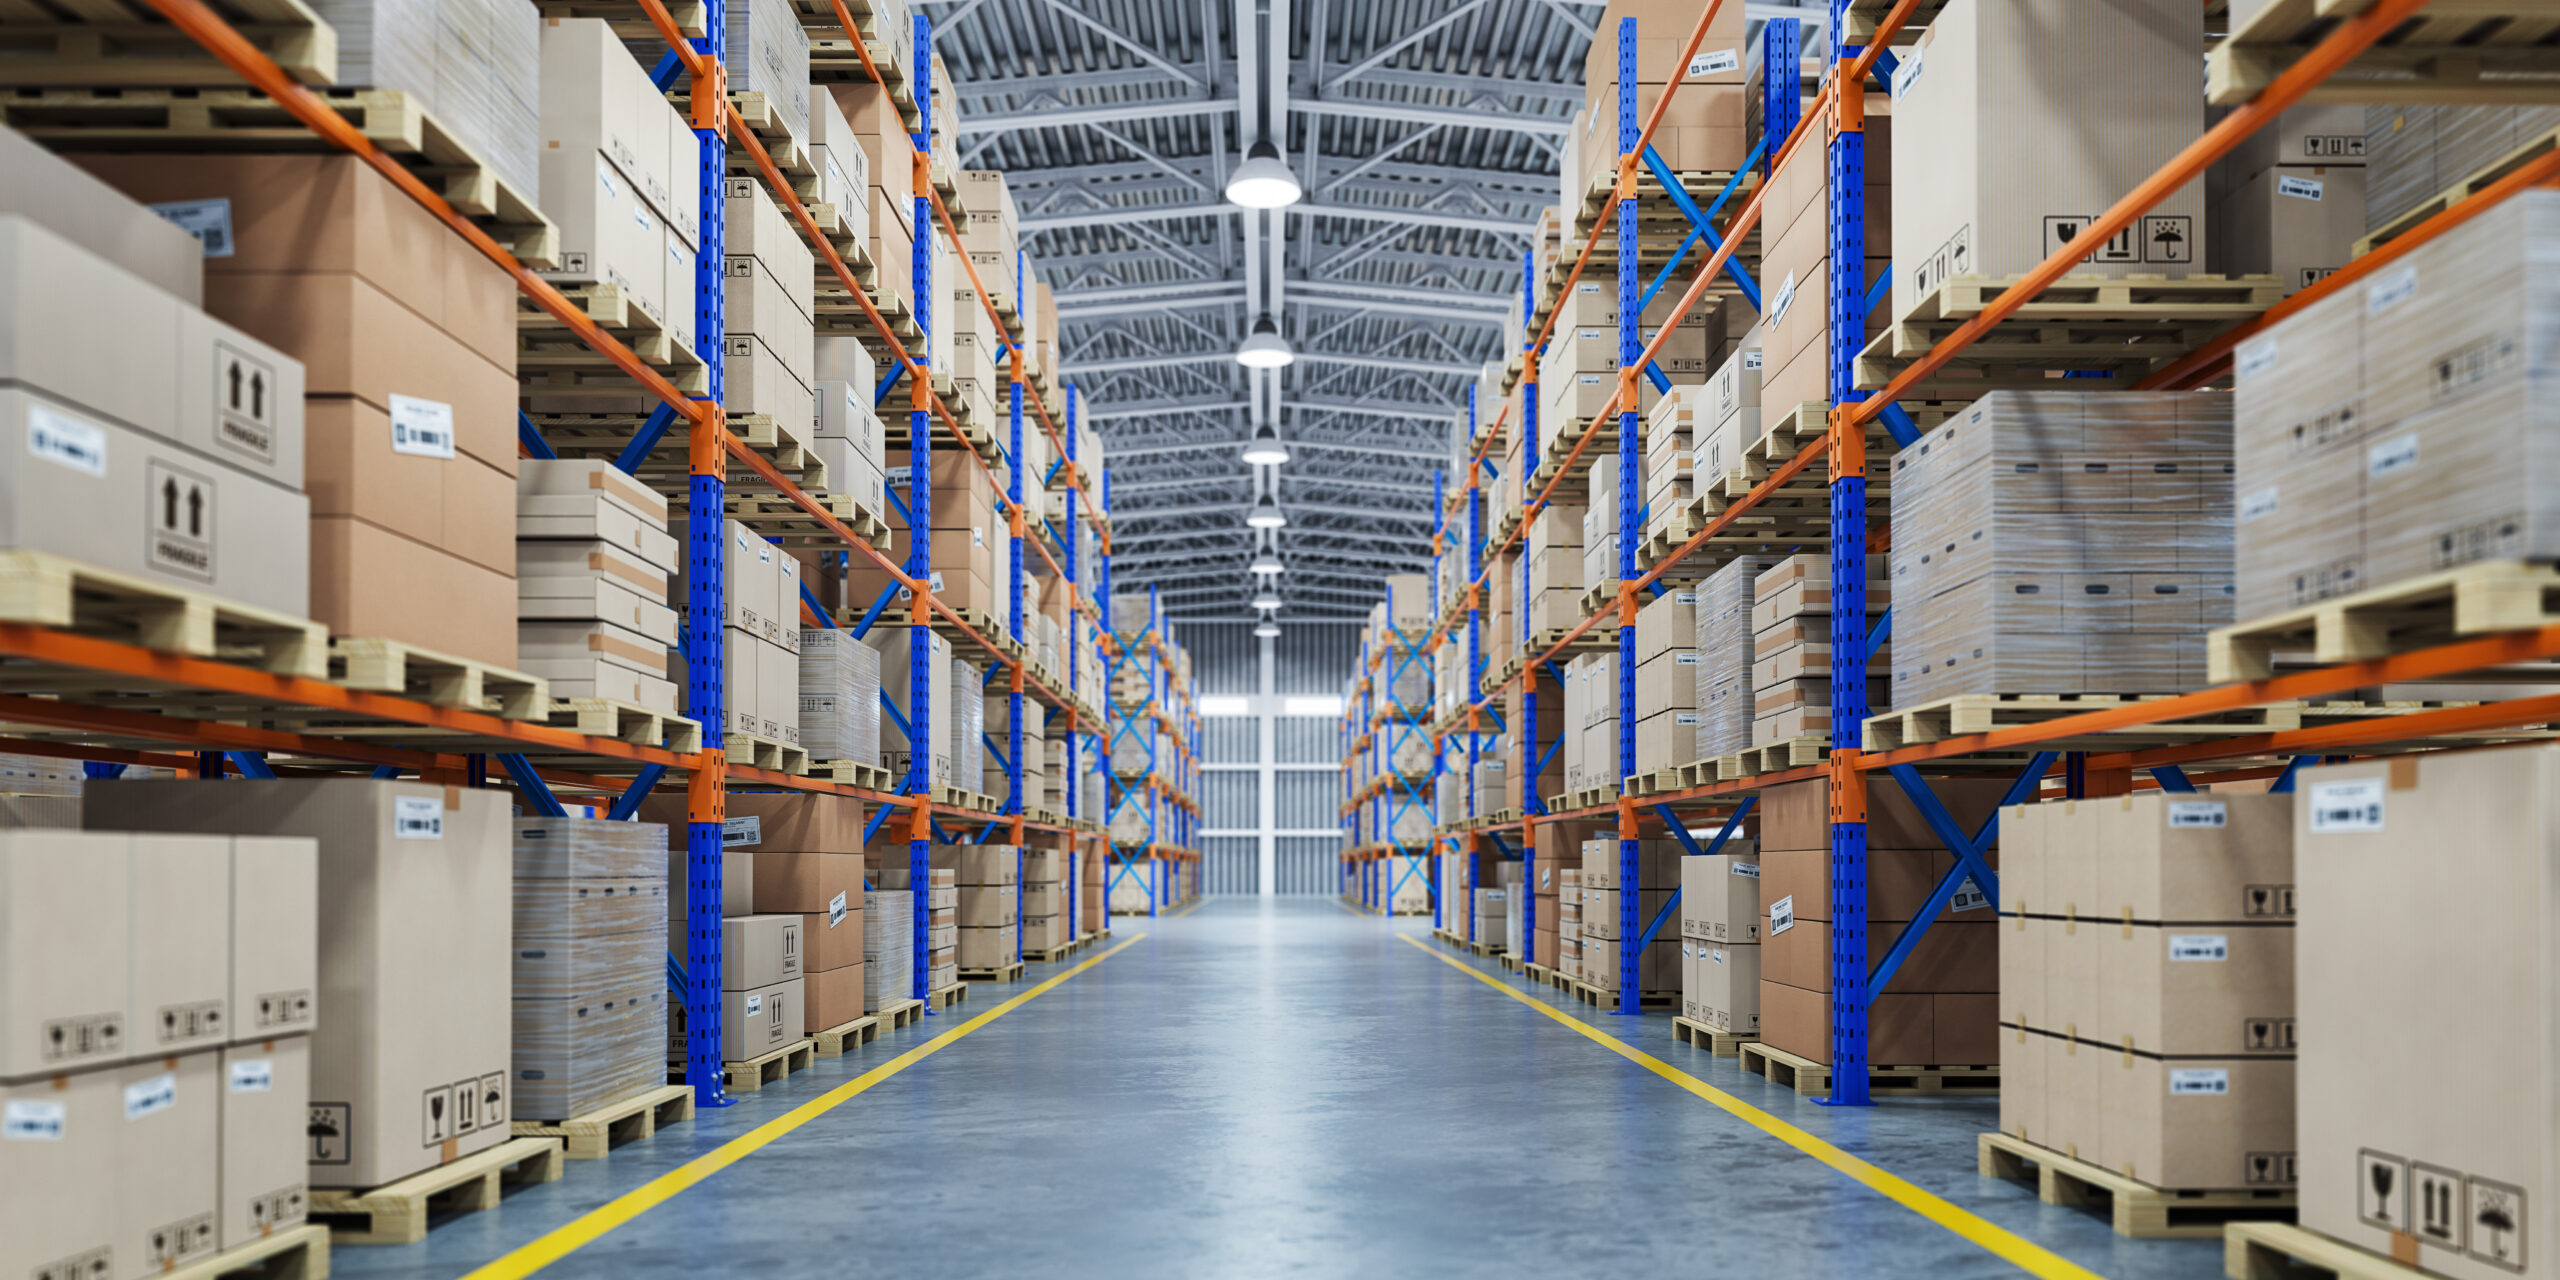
x=1474 y=564
x=1630 y=470
x=1525 y=749
x=1075 y=633
x=1846 y=297
x=706 y=503
x=1013 y=803
x=920 y=742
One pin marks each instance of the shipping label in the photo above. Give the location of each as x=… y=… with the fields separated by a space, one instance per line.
x=1780 y=301
x=1968 y=897
x=2348 y=806
x=736 y=832
x=1782 y=914
x=2391 y=288
x=2299 y=188
x=33 y=1120
x=65 y=441
x=252 y=1075
x=422 y=427
x=145 y=1098
x=2391 y=456
x=1749 y=870
x=2254 y=358
x=1711 y=62
x=2199 y=947
x=417 y=818
x=209 y=221
x=2199 y=813
x=2212 y=1082
x=836 y=910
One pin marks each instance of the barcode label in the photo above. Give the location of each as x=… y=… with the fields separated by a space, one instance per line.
x=253 y=1075
x=209 y=221
x=150 y=1097
x=417 y=818
x=1715 y=62
x=1782 y=914
x=2214 y=1081
x=836 y=909
x=26 y=1120
x=1968 y=897
x=2200 y=947
x=2258 y=505
x=2354 y=805
x=2396 y=454
x=2199 y=813
x=66 y=441
x=1749 y=869
x=2299 y=188
x=2390 y=289
x=422 y=427
x=2255 y=358
x=741 y=831
x=1786 y=298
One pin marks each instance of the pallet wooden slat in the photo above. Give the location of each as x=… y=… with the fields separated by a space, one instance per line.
x=1698 y=1035
x=2431 y=609
x=293 y=1253
x=1964 y=714
x=2480 y=52
x=48 y=590
x=753 y=1074
x=1813 y=1079
x=2283 y=1251
x=2136 y=1209
x=844 y=1038
x=391 y=666
x=899 y=1014
x=398 y=1213
x=626 y=722
x=1011 y=972
x=594 y=1135
x=127 y=43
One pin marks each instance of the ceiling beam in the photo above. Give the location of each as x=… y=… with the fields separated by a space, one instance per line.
x=1118 y=216
x=1541 y=124
x=1209 y=446
x=1454 y=308
x=1295 y=508
x=1418 y=411
x=1074 y=369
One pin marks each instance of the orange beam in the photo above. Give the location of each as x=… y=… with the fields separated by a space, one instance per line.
x=2322 y=739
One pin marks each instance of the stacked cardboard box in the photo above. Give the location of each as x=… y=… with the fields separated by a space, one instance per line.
x=823 y=892
x=759 y=636
x=1568 y=921
x=407 y=337
x=1703 y=132
x=843 y=167
x=942 y=957
x=889 y=154
x=590 y=970
x=1720 y=938
x=1557 y=856
x=155 y=1046
x=1791 y=647
x=895 y=645
x=621 y=178
x=2147 y=986
x=473 y=64
x=594 y=559
x=1492 y=911
x=839 y=696
x=1591 y=723
x=1131 y=882
x=2455 y=1180
x=1046 y=873
x=766 y=53
x=409 y=1066
x=1606 y=933
x=1555 y=571
x=1994 y=179
x=2414 y=151
x=849 y=436
x=968 y=530
x=762 y=991
x=1795 y=327
x=1725 y=652
x=2063 y=542
x=768 y=353
x=1667 y=681
x=888 y=948
x=1940 y=1008
x=2290 y=201
x=1600 y=527
x=2392 y=431
x=1523 y=776
x=966 y=725
x=990 y=901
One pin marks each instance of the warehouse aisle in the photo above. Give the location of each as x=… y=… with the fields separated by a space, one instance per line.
x=1265 y=1088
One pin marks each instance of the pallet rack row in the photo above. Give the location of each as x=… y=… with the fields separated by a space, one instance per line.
x=1391 y=758
x=1151 y=774
x=96 y=689
x=2283 y=67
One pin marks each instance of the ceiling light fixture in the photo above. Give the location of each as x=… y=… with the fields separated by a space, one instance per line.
x=1267 y=562
x=1264 y=348
x=1265 y=514
x=1265 y=449
x=1264 y=180
x=1268 y=598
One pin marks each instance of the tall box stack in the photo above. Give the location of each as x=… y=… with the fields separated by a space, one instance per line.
x=888 y=948
x=1045 y=876
x=2063 y=542
x=767 y=54
x=1704 y=130
x=760 y=635
x=1600 y=528
x=621 y=176
x=895 y=645
x=1667 y=681
x=1725 y=655
x=154 y=1053
x=871 y=116
x=411 y=1054
x=1791 y=648
x=1606 y=936
x=590 y=963
x=768 y=353
x=823 y=891
x=594 y=557
x=1994 y=179
x=2290 y=202
x=2454 y=1180
x=849 y=436
x=1492 y=908
x=761 y=990
x=2414 y=151
x=1568 y=904
x=2395 y=430
x=942 y=958
x=1555 y=571
x=475 y=65
x=839 y=696
x=1941 y=1007
x=1720 y=936
x=843 y=167
x=1795 y=327
x=989 y=902
x=2147 y=986
x=970 y=539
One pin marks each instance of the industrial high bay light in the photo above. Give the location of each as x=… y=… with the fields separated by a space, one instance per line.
x=1265 y=449
x=1264 y=180
x=1268 y=598
x=1265 y=514
x=1267 y=563
x=1269 y=627
x=1264 y=348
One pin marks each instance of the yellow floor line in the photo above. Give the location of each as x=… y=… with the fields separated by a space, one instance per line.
x=2024 y=1254
x=1196 y=905
x=576 y=1235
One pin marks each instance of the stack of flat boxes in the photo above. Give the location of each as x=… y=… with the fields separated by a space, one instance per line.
x=889 y=154
x=970 y=538
x=1555 y=571
x=2413 y=151
x=1725 y=649
x=1600 y=527
x=1941 y=1007
x=1045 y=874
x=2394 y=430
x=766 y=53
x=1605 y=937
x=760 y=635
x=768 y=352
x=155 y=1046
x=1568 y=921
x=1791 y=648
x=849 y=436
x=1492 y=911
x=983 y=377
x=844 y=172
x=122 y=404
x=474 y=65
x=1667 y=681
x=990 y=902
x=2063 y=542
x=942 y=956
x=897 y=750
x=839 y=696
x=409 y=1064
x=823 y=891
x=778 y=835
x=1795 y=272
x=2290 y=201
x=590 y=972
x=966 y=724
x=1557 y=856
x=1703 y=132
x=1720 y=938
x=2147 y=986
x=1131 y=877
x=595 y=557
x=1600 y=762
x=621 y=177
x=888 y=948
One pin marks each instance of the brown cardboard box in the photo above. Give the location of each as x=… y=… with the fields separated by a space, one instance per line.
x=2197 y=1124
x=65 y=952
x=411 y=1050
x=59 y=196
x=988 y=864
x=181 y=942
x=988 y=905
x=987 y=948
x=2298 y=223
x=1729 y=986
x=542 y=563
x=1720 y=895
x=834 y=996
x=1898 y=882
x=353 y=468
x=772 y=823
x=759 y=951
x=2164 y=858
x=2219 y=990
x=275 y=945
x=752 y=1022
x=821 y=883
x=1901 y=1027
x=1798 y=815
x=1954 y=956
x=168 y=1166
x=367 y=581
x=266 y=1096
x=58 y=1192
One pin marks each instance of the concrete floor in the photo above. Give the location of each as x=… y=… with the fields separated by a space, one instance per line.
x=1268 y=1088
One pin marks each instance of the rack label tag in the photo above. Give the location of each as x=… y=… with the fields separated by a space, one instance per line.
x=742 y=831
x=1715 y=62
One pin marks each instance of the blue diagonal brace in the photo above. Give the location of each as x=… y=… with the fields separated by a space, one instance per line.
x=537 y=793
x=2284 y=781
x=251 y=764
x=646 y=441
x=2171 y=778
x=1882 y=632
x=824 y=615
x=1702 y=221
x=1968 y=852
x=531 y=438
x=385 y=772
x=628 y=803
x=879 y=814
x=872 y=614
x=101 y=771
x=663 y=76
x=1669 y=905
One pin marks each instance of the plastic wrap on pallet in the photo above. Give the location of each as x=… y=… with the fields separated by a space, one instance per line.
x=2062 y=542
x=1724 y=635
x=1130 y=614
x=590 y=1014
x=1600 y=524
x=967 y=724
x=839 y=696
x=888 y=952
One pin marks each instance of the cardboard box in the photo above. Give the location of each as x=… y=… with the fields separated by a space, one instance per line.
x=2219 y=990
x=264 y=1174
x=275 y=945
x=1720 y=896
x=358 y=466
x=1798 y=815
x=597 y=516
x=368 y=581
x=1899 y=882
x=1953 y=956
x=753 y=1022
x=181 y=940
x=2022 y=1084
x=988 y=947
x=410 y=1055
x=2297 y=223
x=59 y=196
x=544 y=563
x=759 y=951
x=2197 y=1124
x=58 y=1177
x=168 y=1166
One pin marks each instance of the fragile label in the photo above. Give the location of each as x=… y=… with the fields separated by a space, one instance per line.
x=2203 y=947
x=182 y=520
x=2390 y=289
x=2396 y=454
x=1715 y=62
x=2257 y=504
x=742 y=831
x=2199 y=813
x=66 y=441
x=1782 y=914
x=2254 y=358
x=150 y=1097
x=835 y=910
x=2190 y=1081
x=209 y=221
x=1785 y=297
x=2299 y=188
x=422 y=427
x=1968 y=897
x=2349 y=806
x=253 y=1075
x=31 y=1120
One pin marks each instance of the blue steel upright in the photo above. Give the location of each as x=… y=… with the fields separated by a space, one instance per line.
x=920 y=741
x=1013 y=803
x=1846 y=158
x=1781 y=101
x=706 y=506
x=1630 y=471
x=1474 y=562
x=1524 y=747
x=1075 y=633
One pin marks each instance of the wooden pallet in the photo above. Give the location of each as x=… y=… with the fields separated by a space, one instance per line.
x=2283 y=1251
x=49 y=591
x=299 y=1252
x=245 y=120
x=2541 y=145
x=626 y=722
x=594 y=1135
x=398 y=1213
x=778 y=517
x=2111 y=331
x=390 y=666
x=2415 y=613
x=1698 y=1035
x=1863 y=16
x=753 y=1074
x=1001 y=973
x=691 y=16
x=1793 y=753
x=1594 y=996
x=606 y=434
x=948 y=996
x=2482 y=52
x=853 y=773
x=1813 y=1079
x=551 y=360
x=900 y=1014
x=2137 y=1209
x=1981 y=713
x=837 y=1041
x=127 y=43
x=765 y=753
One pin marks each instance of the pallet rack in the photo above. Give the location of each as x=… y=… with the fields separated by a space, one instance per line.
x=1831 y=133
x=111 y=732
x=1157 y=795
x=1378 y=726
